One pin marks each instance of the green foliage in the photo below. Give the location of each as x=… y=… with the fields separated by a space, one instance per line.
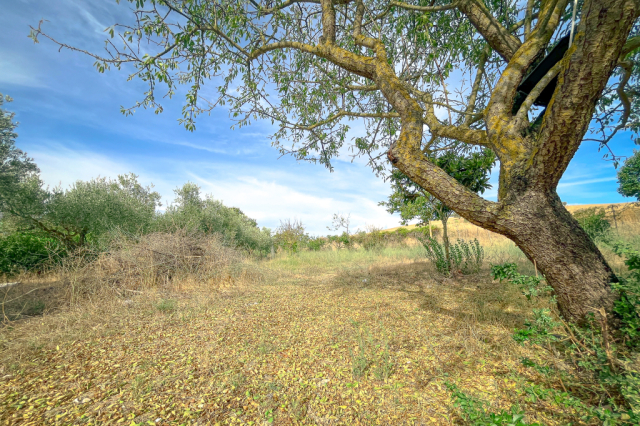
x=290 y=236
x=466 y=257
x=22 y=251
x=316 y=243
x=504 y=271
x=538 y=330
x=15 y=166
x=95 y=207
x=594 y=223
x=530 y=286
x=189 y=211
x=435 y=253
x=611 y=359
x=343 y=240
x=371 y=239
x=628 y=305
x=475 y=412
x=403 y=231
x=629 y=176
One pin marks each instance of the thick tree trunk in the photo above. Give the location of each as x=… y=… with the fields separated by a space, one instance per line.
x=572 y=264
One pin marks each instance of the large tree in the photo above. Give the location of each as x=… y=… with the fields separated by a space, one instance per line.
x=311 y=65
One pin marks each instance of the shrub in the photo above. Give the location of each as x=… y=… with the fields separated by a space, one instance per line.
x=316 y=243
x=594 y=223
x=343 y=240
x=290 y=236
x=371 y=239
x=21 y=251
x=209 y=216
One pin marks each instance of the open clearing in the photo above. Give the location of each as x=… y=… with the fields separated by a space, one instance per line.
x=318 y=338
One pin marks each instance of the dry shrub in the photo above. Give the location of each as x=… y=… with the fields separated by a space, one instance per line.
x=158 y=260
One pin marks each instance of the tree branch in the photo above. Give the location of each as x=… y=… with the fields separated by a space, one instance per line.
x=346 y=114
x=527 y=18
x=402 y=5
x=521 y=116
x=498 y=37
x=476 y=86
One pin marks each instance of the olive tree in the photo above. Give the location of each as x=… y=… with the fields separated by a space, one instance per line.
x=190 y=210
x=85 y=209
x=416 y=73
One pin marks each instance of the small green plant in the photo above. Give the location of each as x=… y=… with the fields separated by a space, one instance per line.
x=435 y=252
x=475 y=413
x=466 y=257
x=530 y=286
x=166 y=305
x=538 y=330
x=628 y=305
x=359 y=360
x=385 y=366
x=504 y=272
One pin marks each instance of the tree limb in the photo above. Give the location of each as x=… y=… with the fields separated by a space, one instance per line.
x=521 y=116
x=476 y=86
x=452 y=5
x=498 y=37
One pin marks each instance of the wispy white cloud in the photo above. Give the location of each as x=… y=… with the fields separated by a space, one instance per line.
x=586 y=182
x=265 y=194
x=271 y=201
x=18 y=70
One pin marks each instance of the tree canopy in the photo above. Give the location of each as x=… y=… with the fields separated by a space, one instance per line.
x=308 y=65
x=629 y=177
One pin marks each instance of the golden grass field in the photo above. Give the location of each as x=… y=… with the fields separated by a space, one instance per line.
x=318 y=338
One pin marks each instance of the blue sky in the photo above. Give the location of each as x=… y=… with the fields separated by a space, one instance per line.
x=70 y=123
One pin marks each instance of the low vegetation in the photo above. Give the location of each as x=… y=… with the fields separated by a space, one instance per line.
x=179 y=327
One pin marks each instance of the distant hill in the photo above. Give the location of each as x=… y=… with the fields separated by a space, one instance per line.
x=619 y=212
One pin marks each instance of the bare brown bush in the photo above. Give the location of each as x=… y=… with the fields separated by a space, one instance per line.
x=158 y=260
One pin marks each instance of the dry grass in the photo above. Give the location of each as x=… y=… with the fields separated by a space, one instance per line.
x=324 y=338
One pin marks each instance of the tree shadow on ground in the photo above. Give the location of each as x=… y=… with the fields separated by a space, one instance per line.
x=476 y=296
